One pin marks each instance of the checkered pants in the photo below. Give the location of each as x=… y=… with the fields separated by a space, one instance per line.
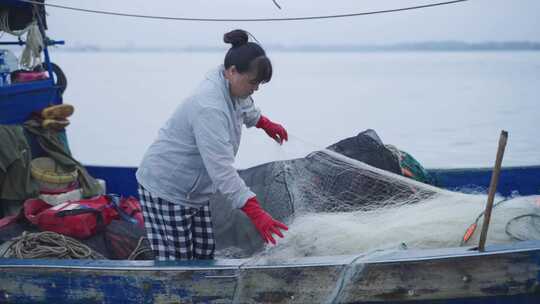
x=177 y=232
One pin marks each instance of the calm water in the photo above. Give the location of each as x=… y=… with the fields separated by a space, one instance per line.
x=446 y=109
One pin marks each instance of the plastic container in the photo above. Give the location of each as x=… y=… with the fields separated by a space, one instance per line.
x=10 y=59
x=51 y=176
x=8 y=64
x=26 y=76
x=4 y=71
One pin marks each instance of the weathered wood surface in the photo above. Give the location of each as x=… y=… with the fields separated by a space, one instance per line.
x=450 y=278
x=502 y=274
x=99 y=282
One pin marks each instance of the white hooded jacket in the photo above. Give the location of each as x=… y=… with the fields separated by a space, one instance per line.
x=194 y=152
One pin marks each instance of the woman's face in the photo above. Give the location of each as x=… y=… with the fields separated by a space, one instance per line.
x=241 y=84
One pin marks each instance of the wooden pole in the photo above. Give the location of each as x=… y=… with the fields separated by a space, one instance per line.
x=492 y=189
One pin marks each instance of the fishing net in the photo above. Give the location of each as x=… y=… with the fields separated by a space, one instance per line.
x=335 y=204
x=524 y=227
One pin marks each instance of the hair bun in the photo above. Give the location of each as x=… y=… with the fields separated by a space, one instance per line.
x=236 y=38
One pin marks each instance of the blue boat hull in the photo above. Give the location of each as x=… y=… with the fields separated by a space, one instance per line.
x=523 y=180
x=502 y=274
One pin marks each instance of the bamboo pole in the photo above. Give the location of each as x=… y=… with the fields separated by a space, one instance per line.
x=492 y=189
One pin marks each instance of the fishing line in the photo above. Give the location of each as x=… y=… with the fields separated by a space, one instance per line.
x=240 y=19
x=288 y=151
x=306 y=142
x=472 y=228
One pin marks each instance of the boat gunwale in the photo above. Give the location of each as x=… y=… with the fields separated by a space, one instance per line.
x=388 y=257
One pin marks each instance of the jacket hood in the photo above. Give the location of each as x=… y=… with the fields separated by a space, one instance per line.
x=217 y=76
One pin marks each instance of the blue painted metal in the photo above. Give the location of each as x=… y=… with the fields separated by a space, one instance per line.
x=20 y=42
x=523 y=180
x=120 y=180
x=19 y=100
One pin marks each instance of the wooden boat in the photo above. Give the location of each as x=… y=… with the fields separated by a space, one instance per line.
x=501 y=274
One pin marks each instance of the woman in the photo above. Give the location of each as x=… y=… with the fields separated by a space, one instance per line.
x=193 y=157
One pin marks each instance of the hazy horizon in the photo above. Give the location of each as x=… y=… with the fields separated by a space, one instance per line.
x=472 y=21
x=401 y=46
x=446 y=109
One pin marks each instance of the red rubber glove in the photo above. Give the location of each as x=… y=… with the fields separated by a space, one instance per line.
x=264 y=223
x=274 y=130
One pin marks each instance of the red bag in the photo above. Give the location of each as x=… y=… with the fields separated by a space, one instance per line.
x=129 y=209
x=79 y=219
x=132 y=207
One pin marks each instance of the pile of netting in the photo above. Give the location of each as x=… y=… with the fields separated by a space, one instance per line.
x=336 y=205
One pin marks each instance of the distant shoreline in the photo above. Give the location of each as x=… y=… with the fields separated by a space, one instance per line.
x=443 y=46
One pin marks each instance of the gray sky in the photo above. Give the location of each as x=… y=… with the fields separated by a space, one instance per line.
x=471 y=21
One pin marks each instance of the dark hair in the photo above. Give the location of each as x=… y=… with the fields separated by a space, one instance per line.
x=247 y=56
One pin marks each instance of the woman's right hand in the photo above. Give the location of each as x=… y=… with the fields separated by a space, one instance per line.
x=274 y=130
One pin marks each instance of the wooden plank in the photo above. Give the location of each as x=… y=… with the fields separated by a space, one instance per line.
x=503 y=273
x=49 y=285
x=288 y=285
x=445 y=278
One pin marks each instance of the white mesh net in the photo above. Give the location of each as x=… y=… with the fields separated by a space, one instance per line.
x=337 y=205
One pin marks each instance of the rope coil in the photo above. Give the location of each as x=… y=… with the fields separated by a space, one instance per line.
x=52 y=245
x=140 y=249
x=44 y=245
